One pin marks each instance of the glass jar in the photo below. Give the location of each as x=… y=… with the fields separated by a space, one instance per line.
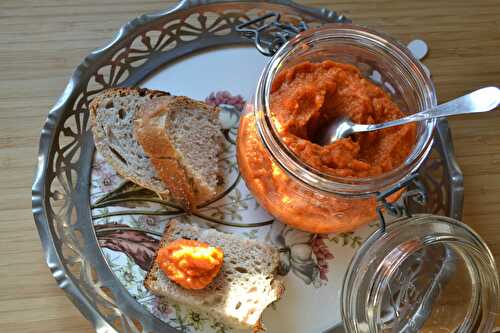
x=426 y=273
x=287 y=187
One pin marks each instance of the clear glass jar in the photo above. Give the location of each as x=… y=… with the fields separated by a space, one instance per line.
x=426 y=273
x=291 y=190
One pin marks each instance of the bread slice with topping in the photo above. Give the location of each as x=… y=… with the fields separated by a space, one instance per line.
x=242 y=290
x=183 y=139
x=112 y=114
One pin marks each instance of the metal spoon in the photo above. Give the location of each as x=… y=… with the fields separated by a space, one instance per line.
x=481 y=100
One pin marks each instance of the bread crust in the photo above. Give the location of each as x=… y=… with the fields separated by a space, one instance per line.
x=100 y=138
x=157 y=146
x=150 y=130
x=153 y=269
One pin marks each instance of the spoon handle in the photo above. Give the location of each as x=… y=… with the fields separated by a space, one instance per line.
x=481 y=100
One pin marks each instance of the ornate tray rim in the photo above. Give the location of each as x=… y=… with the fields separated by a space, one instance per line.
x=69 y=96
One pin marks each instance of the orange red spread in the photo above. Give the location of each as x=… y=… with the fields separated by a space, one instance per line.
x=189 y=263
x=309 y=95
x=304 y=98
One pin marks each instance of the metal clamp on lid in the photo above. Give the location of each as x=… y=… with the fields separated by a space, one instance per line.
x=400 y=207
x=271 y=35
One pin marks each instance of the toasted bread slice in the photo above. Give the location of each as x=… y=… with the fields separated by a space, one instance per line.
x=112 y=114
x=183 y=139
x=241 y=291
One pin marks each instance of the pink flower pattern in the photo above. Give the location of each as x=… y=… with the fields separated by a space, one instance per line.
x=225 y=97
x=322 y=254
x=104 y=178
x=304 y=254
x=107 y=181
x=148 y=221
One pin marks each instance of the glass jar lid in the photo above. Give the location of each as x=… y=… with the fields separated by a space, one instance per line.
x=425 y=273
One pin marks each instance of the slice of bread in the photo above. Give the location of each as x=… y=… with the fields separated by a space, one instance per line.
x=241 y=291
x=112 y=114
x=183 y=139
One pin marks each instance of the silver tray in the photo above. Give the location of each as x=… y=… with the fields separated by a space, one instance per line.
x=60 y=193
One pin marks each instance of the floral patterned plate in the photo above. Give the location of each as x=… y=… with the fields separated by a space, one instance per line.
x=313 y=266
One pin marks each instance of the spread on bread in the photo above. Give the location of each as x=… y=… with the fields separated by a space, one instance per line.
x=245 y=286
x=189 y=263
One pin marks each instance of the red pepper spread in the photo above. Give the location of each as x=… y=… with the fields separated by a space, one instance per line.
x=309 y=95
x=189 y=263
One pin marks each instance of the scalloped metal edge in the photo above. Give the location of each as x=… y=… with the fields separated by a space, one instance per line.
x=48 y=134
x=47 y=137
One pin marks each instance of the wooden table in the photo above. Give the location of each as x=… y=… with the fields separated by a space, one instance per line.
x=42 y=41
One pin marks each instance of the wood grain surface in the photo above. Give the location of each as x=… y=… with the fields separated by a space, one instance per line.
x=42 y=41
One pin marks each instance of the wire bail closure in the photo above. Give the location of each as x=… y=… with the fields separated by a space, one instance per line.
x=269 y=37
x=400 y=207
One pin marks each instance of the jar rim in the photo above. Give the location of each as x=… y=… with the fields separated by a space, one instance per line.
x=304 y=173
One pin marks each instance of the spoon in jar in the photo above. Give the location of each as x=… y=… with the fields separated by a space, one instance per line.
x=481 y=100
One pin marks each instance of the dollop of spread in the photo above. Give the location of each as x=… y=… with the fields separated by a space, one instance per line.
x=309 y=95
x=190 y=263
